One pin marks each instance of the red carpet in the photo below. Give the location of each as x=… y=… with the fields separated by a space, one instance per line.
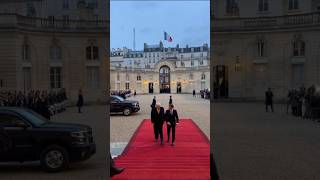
x=146 y=160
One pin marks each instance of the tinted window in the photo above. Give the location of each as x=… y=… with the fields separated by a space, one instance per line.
x=8 y=120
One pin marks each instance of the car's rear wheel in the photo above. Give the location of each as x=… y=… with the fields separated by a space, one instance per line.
x=54 y=158
x=126 y=111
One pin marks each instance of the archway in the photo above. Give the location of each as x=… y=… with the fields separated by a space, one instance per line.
x=164 y=79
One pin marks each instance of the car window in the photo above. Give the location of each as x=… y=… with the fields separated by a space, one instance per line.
x=119 y=98
x=9 y=120
x=34 y=117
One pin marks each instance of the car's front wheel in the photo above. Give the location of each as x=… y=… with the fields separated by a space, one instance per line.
x=126 y=111
x=54 y=158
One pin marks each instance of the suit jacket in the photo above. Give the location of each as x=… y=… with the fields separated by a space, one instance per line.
x=172 y=118
x=157 y=118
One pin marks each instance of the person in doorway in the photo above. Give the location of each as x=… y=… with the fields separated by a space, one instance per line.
x=172 y=120
x=157 y=119
x=170 y=100
x=135 y=93
x=269 y=99
x=194 y=93
x=80 y=101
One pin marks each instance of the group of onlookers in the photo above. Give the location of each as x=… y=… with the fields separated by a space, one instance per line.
x=44 y=102
x=304 y=102
x=205 y=94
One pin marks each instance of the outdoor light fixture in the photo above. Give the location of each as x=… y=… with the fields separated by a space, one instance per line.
x=237 y=66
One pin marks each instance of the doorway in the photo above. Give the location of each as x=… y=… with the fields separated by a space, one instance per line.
x=220 y=81
x=164 y=79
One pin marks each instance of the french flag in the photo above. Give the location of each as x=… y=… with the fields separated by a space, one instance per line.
x=167 y=37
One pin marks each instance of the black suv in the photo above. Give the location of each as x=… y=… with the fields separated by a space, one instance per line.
x=120 y=105
x=27 y=136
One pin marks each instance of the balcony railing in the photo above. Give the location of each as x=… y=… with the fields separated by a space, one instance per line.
x=18 y=21
x=261 y=23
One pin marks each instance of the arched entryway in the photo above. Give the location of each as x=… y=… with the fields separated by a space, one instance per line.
x=164 y=79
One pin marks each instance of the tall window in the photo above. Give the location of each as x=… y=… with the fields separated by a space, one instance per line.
x=55 y=53
x=65 y=4
x=232 y=7
x=92 y=52
x=55 y=77
x=192 y=63
x=127 y=85
x=263 y=5
x=299 y=47
x=65 y=20
x=201 y=62
x=25 y=52
x=261 y=48
x=127 y=77
x=191 y=76
x=293 y=4
x=138 y=78
x=203 y=76
x=118 y=77
x=93 y=77
x=182 y=64
x=51 y=20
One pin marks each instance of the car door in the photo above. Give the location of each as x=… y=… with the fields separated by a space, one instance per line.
x=19 y=133
x=114 y=107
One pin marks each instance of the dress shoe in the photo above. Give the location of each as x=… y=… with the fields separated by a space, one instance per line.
x=116 y=170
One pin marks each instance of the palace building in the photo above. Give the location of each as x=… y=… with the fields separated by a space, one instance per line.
x=258 y=44
x=159 y=69
x=48 y=45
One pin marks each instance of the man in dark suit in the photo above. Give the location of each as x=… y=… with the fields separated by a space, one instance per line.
x=269 y=99
x=153 y=104
x=157 y=118
x=170 y=100
x=80 y=101
x=172 y=119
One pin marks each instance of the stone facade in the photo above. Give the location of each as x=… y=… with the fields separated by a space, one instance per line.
x=188 y=68
x=276 y=48
x=46 y=54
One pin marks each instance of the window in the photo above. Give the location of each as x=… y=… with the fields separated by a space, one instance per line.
x=181 y=56
x=31 y=10
x=299 y=48
x=127 y=85
x=293 y=4
x=192 y=63
x=55 y=77
x=55 y=53
x=201 y=55
x=25 y=52
x=92 y=52
x=232 y=7
x=261 y=48
x=192 y=55
x=263 y=5
x=93 y=77
x=182 y=64
x=138 y=78
x=203 y=76
x=8 y=120
x=127 y=77
x=201 y=62
x=65 y=4
x=65 y=20
x=51 y=20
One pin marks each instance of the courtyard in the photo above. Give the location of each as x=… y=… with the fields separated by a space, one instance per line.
x=188 y=107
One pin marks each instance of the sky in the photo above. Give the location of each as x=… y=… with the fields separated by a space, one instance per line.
x=187 y=22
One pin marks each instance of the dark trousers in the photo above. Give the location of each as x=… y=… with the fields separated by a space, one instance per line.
x=79 y=109
x=157 y=128
x=173 y=127
x=267 y=107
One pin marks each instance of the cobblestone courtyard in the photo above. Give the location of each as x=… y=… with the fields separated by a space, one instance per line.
x=252 y=144
x=122 y=127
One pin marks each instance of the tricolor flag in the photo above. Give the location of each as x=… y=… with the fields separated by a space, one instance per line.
x=167 y=37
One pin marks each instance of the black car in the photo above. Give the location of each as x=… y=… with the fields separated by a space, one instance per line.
x=120 y=105
x=28 y=136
